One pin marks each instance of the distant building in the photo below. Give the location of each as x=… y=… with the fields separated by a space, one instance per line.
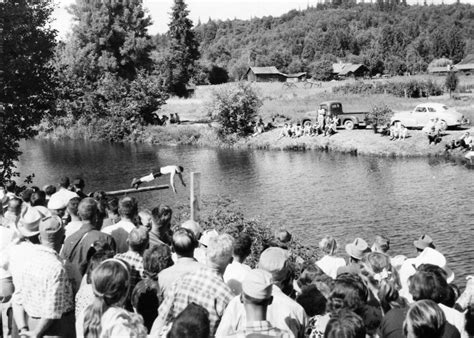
x=466 y=66
x=297 y=77
x=442 y=70
x=265 y=74
x=349 y=69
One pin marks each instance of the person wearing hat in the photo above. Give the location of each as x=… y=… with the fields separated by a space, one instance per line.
x=356 y=251
x=423 y=242
x=43 y=303
x=63 y=195
x=57 y=204
x=256 y=297
x=284 y=313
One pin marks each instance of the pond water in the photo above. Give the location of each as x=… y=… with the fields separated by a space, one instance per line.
x=310 y=193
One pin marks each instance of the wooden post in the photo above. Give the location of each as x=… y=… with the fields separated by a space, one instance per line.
x=195 y=199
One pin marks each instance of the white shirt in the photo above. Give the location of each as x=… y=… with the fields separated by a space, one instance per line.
x=284 y=313
x=64 y=194
x=330 y=264
x=234 y=276
x=72 y=227
x=6 y=240
x=455 y=318
x=119 y=231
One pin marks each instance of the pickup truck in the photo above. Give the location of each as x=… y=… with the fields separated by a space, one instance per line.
x=423 y=113
x=348 y=120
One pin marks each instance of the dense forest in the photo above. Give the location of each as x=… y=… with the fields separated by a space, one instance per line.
x=396 y=40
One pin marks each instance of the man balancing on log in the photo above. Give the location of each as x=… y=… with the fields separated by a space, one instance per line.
x=171 y=170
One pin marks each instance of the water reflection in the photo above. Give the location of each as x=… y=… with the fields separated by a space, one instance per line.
x=311 y=193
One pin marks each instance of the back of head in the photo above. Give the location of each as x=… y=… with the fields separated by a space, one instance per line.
x=193 y=322
x=73 y=206
x=219 y=252
x=97 y=258
x=328 y=245
x=381 y=244
x=312 y=300
x=138 y=239
x=26 y=195
x=64 y=182
x=87 y=209
x=424 y=319
x=377 y=262
x=161 y=215
x=275 y=260
x=128 y=207
x=243 y=246
x=78 y=183
x=49 y=190
x=425 y=285
x=349 y=292
x=184 y=242
x=155 y=259
x=110 y=284
x=14 y=205
x=113 y=205
x=346 y=324
x=38 y=198
x=145 y=301
x=194 y=227
x=10 y=186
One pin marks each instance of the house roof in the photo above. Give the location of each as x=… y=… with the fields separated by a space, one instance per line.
x=346 y=68
x=440 y=69
x=265 y=70
x=469 y=59
x=296 y=75
x=466 y=66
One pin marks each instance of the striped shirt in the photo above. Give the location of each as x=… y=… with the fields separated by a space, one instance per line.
x=261 y=329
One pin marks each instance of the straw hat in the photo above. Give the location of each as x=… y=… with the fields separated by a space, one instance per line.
x=423 y=242
x=29 y=222
x=358 y=248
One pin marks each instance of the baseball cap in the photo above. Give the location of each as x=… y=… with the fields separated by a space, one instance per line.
x=258 y=284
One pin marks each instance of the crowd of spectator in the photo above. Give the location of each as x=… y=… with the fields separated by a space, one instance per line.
x=97 y=266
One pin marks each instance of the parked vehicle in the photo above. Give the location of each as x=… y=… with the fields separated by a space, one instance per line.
x=348 y=120
x=421 y=115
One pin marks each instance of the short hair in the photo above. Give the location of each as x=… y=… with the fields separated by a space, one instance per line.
x=87 y=209
x=155 y=259
x=73 y=206
x=243 y=245
x=128 y=207
x=145 y=300
x=97 y=258
x=312 y=300
x=138 y=239
x=440 y=275
x=219 y=251
x=10 y=186
x=345 y=324
x=38 y=198
x=113 y=205
x=349 y=292
x=161 y=215
x=49 y=189
x=425 y=285
x=425 y=319
x=26 y=195
x=328 y=245
x=377 y=262
x=64 y=182
x=192 y=322
x=184 y=242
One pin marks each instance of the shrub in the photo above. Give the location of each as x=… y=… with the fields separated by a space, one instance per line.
x=235 y=108
x=321 y=70
x=380 y=115
x=218 y=75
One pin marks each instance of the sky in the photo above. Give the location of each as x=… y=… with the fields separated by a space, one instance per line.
x=205 y=9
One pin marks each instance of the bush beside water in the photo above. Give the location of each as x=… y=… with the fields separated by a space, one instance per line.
x=411 y=89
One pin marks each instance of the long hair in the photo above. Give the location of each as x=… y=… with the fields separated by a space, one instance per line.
x=425 y=319
x=110 y=284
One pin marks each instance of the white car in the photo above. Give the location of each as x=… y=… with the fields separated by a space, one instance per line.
x=423 y=113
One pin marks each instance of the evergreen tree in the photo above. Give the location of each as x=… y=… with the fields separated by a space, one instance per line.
x=26 y=80
x=183 y=49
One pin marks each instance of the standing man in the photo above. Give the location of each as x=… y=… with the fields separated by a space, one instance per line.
x=171 y=170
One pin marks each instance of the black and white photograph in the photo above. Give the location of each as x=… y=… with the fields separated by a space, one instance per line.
x=237 y=168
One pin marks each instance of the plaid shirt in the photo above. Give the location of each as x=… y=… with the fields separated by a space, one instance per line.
x=135 y=261
x=42 y=285
x=205 y=287
x=261 y=328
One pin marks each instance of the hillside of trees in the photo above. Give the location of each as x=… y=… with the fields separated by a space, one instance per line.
x=395 y=40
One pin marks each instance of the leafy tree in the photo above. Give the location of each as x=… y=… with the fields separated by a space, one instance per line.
x=218 y=75
x=451 y=82
x=183 y=49
x=27 y=84
x=321 y=70
x=379 y=116
x=235 y=108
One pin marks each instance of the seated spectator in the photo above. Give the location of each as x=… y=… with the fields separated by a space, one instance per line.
x=465 y=141
x=329 y=263
x=356 y=251
x=434 y=136
x=121 y=230
x=424 y=320
x=236 y=271
x=105 y=317
x=345 y=324
x=193 y=322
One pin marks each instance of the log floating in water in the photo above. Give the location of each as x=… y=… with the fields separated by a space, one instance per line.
x=133 y=190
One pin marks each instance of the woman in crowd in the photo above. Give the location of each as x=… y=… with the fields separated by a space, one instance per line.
x=329 y=263
x=424 y=319
x=106 y=317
